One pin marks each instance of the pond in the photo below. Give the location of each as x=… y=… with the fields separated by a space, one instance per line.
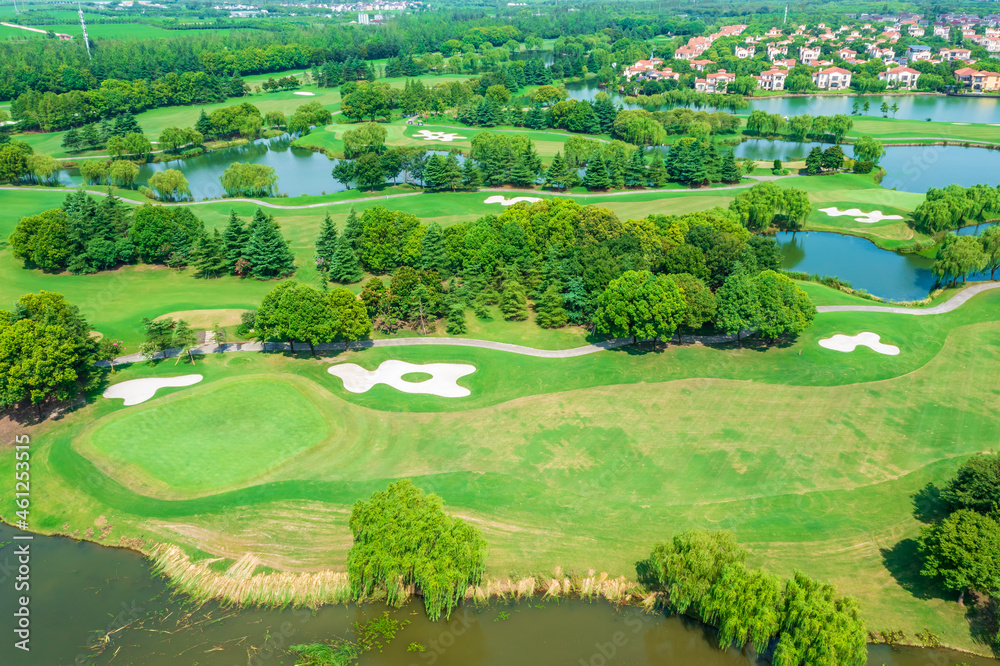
x=908 y=168
x=897 y=277
x=79 y=588
x=300 y=171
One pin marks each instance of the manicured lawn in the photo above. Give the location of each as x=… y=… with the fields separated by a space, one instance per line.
x=218 y=435
x=892 y=130
x=810 y=456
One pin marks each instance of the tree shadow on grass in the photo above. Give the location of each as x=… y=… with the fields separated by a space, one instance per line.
x=928 y=507
x=983 y=616
x=904 y=562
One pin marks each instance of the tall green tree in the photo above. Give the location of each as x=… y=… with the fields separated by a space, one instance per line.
x=346 y=268
x=819 y=627
x=266 y=250
x=326 y=245
x=403 y=537
x=234 y=238
x=639 y=304
x=963 y=553
x=210 y=255
x=738 y=308
x=350 y=315
x=686 y=567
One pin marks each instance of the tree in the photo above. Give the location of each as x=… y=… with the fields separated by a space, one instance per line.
x=209 y=255
x=366 y=138
x=186 y=338
x=266 y=249
x=686 y=567
x=745 y=604
x=403 y=537
x=795 y=208
x=350 y=315
x=433 y=253
x=757 y=206
x=13 y=164
x=814 y=161
x=596 y=176
x=958 y=256
x=37 y=361
x=818 y=627
x=833 y=158
x=738 y=304
x=976 y=486
x=963 y=553
x=699 y=301
x=326 y=245
x=784 y=308
x=990 y=242
x=159 y=336
x=170 y=185
x=234 y=240
x=123 y=174
x=513 y=300
x=635 y=170
x=868 y=149
x=369 y=172
x=640 y=304
x=108 y=350
x=345 y=267
x=550 y=309
x=729 y=172
x=40 y=241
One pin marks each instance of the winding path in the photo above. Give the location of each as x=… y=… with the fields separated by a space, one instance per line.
x=949 y=305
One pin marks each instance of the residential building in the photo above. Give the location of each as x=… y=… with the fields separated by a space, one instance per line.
x=832 y=78
x=955 y=54
x=978 y=81
x=700 y=65
x=900 y=77
x=686 y=53
x=809 y=53
x=744 y=51
x=916 y=52
x=714 y=82
x=846 y=53
x=942 y=30
x=772 y=79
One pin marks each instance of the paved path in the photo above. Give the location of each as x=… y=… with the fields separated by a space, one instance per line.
x=949 y=305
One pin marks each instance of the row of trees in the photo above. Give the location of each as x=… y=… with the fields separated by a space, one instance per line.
x=705 y=575
x=84 y=236
x=96 y=135
x=956 y=206
x=962 y=256
x=799 y=128
x=298 y=312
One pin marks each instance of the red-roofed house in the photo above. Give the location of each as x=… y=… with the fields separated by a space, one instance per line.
x=744 y=51
x=955 y=54
x=700 y=65
x=832 y=78
x=714 y=82
x=978 y=81
x=772 y=79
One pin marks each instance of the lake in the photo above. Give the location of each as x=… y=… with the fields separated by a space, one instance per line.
x=79 y=588
x=908 y=168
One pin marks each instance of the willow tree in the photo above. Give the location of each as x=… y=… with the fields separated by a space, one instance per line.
x=403 y=537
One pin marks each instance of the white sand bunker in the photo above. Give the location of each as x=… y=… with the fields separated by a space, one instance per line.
x=135 y=391
x=303 y=92
x=861 y=216
x=443 y=381
x=847 y=343
x=504 y=201
x=428 y=135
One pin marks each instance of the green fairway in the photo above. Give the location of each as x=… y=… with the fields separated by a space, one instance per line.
x=892 y=130
x=196 y=441
x=810 y=456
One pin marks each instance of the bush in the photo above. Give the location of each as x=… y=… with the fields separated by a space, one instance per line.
x=863 y=166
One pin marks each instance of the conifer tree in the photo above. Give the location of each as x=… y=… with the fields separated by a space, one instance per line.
x=354 y=228
x=596 y=176
x=204 y=124
x=234 y=240
x=657 y=170
x=814 y=161
x=433 y=254
x=434 y=173
x=729 y=172
x=521 y=173
x=513 y=301
x=617 y=166
x=266 y=250
x=472 y=175
x=326 y=245
x=452 y=173
x=345 y=267
x=551 y=312
x=556 y=174
x=456 y=318
x=210 y=255
x=635 y=170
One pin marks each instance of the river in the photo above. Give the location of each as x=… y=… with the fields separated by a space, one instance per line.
x=82 y=588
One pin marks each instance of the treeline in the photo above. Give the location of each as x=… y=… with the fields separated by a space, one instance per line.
x=705 y=575
x=84 y=236
x=50 y=111
x=20 y=164
x=958 y=257
x=956 y=206
x=576 y=264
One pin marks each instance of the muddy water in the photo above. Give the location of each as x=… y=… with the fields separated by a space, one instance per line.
x=81 y=592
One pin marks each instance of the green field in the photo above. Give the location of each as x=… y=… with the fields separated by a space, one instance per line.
x=810 y=456
x=891 y=130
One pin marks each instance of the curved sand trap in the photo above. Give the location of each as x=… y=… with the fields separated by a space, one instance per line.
x=504 y=201
x=303 y=92
x=443 y=381
x=861 y=216
x=135 y=391
x=428 y=135
x=847 y=343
